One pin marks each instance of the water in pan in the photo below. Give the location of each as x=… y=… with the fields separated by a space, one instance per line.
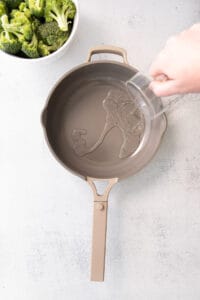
x=121 y=112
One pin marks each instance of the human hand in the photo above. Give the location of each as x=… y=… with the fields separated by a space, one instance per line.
x=179 y=61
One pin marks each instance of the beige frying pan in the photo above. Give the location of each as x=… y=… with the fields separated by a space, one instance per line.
x=95 y=129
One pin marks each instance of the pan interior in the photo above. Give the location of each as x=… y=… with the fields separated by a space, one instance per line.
x=93 y=125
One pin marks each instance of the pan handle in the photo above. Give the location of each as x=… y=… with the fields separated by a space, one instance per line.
x=108 y=49
x=99 y=228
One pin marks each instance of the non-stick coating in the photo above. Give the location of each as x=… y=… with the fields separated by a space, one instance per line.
x=76 y=104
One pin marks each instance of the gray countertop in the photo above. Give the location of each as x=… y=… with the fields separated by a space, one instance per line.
x=153 y=240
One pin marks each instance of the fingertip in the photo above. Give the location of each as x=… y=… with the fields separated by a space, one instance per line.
x=162 y=89
x=155 y=88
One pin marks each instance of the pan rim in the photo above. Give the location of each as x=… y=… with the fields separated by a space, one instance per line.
x=66 y=74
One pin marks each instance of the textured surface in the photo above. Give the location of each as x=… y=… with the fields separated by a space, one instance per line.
x=153 y=243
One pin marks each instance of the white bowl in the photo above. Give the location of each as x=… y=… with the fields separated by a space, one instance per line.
x=55 y=55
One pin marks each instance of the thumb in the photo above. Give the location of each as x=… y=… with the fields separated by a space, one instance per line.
x=164 y=88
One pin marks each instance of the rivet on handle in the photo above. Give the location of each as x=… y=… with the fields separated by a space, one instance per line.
x=99 y=206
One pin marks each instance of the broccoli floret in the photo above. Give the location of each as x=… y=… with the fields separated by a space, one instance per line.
x=9 y=43
x=45 y=49
x=60 y=11
x=30 y=48
x=13 y=3
x=3 y=11
x=71 y=10
x=51 y=34
x=23 y=8
x=19 y=25
x=51 y=38
x=3 y=8
x=36 y=7
x=35 y=23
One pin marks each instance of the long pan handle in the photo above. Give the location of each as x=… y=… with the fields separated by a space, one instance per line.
x=99 y=228
x=108 y=49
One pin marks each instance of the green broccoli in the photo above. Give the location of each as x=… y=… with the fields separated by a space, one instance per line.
x=35 y=23
x=34 y=28
x=71 y=10
x=60 y=11
x=45 y=49
x=19 y=25
x=9 y=43
x=51 y=34
x=12 y=3
x=23 y=8
x=36 y=7
x=3 y=8
x=3 y=11
x=30 y=48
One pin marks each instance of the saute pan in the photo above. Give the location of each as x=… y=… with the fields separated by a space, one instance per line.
x=95 y=129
